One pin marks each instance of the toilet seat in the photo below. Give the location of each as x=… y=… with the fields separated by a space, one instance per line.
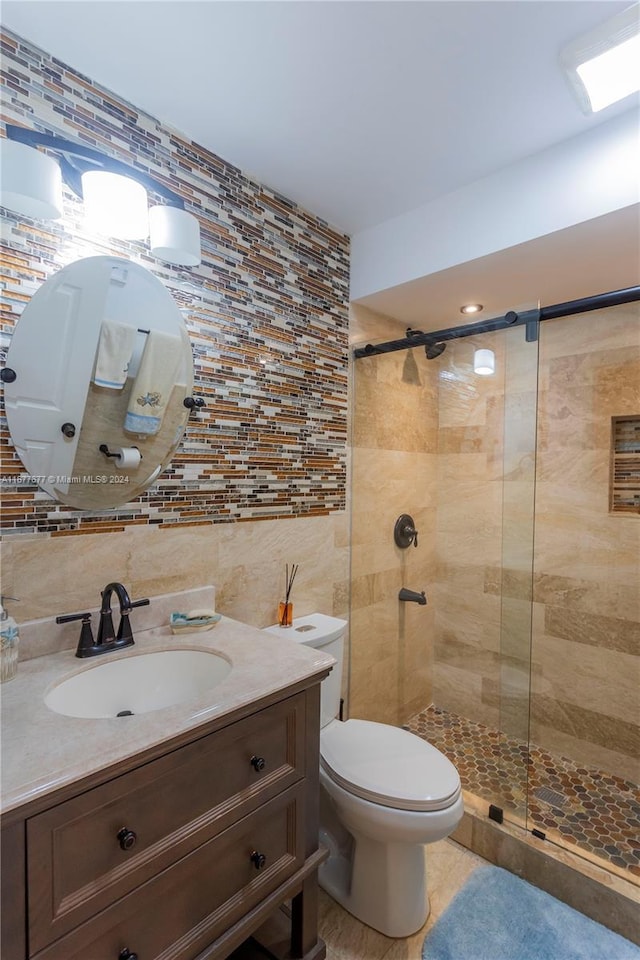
x=388 y=766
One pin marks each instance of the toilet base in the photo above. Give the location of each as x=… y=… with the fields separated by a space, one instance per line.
x=377 y=857
x=384 y=886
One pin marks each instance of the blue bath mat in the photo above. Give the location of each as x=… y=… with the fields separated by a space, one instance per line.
x=498 y=916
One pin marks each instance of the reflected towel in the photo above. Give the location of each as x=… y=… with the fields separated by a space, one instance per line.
x=153 y=385
x=114 y=353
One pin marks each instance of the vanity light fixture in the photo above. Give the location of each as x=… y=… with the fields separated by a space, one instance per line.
x=471 y=308
x=174 y=236
x=114 y=193
x=31 y=182
x=114 y=205
x=603 y=66
x=484 y=363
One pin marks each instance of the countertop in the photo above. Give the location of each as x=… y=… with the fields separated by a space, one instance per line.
x=43 y=751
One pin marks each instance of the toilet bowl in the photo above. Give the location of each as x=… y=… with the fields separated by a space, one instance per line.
x=384 y=794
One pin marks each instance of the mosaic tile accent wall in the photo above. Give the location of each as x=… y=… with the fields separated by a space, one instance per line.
x=266 y=311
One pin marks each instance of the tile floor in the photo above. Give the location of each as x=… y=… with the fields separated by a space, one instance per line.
x=586 y=809
x=448 y=867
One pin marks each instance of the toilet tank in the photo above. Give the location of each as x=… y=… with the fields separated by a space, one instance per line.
x=326 y=633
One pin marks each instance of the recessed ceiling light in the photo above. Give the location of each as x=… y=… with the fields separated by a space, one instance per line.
x=603 y=66
x=471 y=308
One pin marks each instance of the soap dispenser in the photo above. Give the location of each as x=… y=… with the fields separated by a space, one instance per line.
x=9 y=639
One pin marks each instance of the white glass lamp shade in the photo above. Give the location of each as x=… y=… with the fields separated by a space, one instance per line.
x=174 y=236
x=30 y=181
x=115 y=205
x=484 y=362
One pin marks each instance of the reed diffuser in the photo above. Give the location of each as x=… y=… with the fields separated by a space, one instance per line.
x=285 y=607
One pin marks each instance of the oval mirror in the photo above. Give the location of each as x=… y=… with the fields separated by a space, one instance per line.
x=102 y=364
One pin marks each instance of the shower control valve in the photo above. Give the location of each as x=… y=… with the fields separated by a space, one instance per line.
x=404 y=532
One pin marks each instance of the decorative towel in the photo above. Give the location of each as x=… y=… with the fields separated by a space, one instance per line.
x=153 y=385
x=114 y=353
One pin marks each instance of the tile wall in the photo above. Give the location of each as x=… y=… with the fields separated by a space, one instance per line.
x=394 y=442
x=586 y=629
x=267 y=315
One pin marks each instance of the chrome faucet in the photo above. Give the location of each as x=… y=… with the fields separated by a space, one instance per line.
x=106 y=639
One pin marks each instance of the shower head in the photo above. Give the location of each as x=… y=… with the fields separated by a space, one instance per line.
x=433 y=350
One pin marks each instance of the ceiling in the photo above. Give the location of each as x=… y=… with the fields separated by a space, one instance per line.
x=361 y=111
x=592 y=257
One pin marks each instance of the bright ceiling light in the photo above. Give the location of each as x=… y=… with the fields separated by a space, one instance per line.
x=471 y=308
x=114 y=205
x=604 y=65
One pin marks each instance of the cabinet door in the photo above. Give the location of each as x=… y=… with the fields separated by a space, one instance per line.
x=185 y=908
x=87 y=852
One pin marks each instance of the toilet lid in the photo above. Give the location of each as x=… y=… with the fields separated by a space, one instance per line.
x=388 y=766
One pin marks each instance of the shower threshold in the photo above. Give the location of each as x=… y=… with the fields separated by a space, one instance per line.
x=588 y=811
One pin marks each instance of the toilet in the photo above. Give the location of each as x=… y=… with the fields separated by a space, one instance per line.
x=384 y=794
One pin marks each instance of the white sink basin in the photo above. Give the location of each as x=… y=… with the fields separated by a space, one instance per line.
x=138 y=684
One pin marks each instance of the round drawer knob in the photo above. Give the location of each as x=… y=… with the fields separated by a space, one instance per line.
x=127 y=839
x=126 y=954
x=258 y=860
x=258 y=763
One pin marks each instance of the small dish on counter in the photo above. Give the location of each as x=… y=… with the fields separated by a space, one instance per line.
x=188 y=623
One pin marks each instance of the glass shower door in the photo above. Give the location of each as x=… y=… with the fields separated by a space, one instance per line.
x=584 y=771
x=519 y=414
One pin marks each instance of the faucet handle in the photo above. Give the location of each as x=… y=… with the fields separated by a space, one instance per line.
x=85 y=643
x=70 y=617
x=125 y=637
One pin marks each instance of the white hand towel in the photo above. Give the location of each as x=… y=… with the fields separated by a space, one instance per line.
x=152 y=387
x=114 y=353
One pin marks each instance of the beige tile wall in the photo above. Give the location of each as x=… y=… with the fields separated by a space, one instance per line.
x=586 y=645
x=394 y=440
x=245 y=561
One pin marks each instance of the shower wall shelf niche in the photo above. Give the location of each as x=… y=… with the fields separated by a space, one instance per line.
x=624 y=486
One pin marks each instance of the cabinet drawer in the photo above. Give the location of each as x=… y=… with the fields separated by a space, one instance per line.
x=182 y=910
x=85 y=853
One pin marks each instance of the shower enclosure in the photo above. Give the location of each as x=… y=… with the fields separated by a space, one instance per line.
x=524 y=667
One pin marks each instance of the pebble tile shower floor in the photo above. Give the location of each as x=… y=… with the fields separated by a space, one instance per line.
x=590 y=810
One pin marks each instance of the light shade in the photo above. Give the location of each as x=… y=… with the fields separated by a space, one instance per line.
x=31 y=182
x=174 y=236
x=115 y=205
x=603 y=66
x=484 y=362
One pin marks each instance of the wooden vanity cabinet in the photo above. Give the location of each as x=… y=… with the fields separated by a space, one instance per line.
x=179 y=856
